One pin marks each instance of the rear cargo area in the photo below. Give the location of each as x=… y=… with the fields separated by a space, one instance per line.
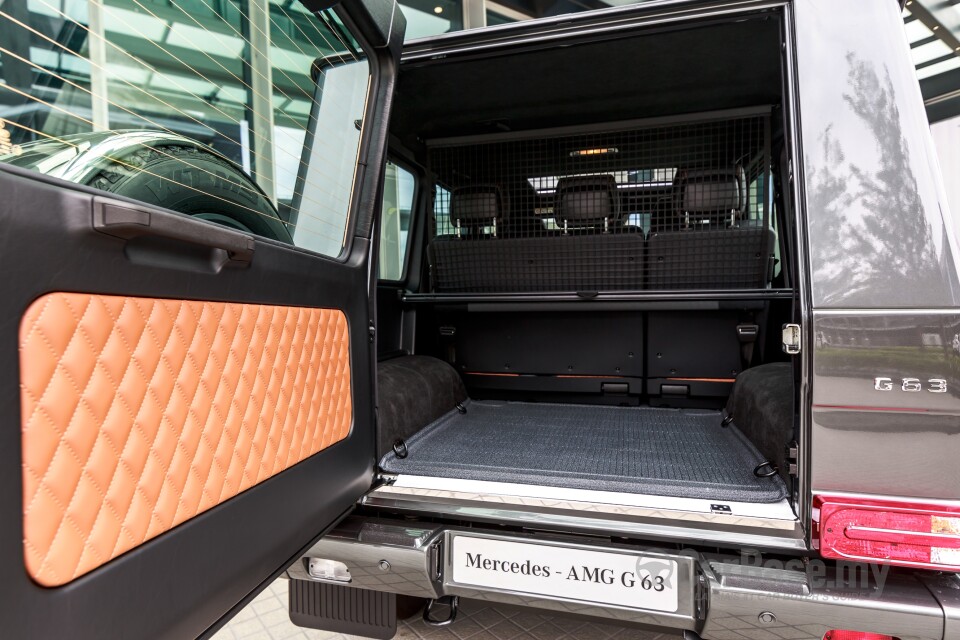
x=604 y=265
x=685 y=453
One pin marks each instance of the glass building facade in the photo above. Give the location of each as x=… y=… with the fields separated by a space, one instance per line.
x=233 y=74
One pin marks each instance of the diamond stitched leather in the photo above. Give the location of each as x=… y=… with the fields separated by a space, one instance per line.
x=139 y=414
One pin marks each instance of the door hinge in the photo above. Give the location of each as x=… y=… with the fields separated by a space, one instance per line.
x=791 y=339
x=372 y=332
x=793 y=457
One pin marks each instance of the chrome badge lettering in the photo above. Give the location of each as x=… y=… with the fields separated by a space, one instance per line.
x=910 y=385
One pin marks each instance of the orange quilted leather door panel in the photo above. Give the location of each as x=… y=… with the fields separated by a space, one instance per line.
x=140 y=413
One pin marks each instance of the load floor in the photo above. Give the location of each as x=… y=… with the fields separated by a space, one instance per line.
x=668 y=452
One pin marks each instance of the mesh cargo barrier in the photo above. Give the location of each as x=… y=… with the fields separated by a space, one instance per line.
x=671 y=206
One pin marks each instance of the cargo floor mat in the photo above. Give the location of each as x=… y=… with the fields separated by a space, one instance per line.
x=668 y=452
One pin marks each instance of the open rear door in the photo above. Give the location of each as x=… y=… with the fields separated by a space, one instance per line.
x=187 y=405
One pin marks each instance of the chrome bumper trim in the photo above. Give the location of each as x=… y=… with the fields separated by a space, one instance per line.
x=751 y=602
x=728 y=598
x=410 y=550
x=946 y=589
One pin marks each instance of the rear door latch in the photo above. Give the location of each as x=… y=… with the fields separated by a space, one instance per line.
x=791 y=339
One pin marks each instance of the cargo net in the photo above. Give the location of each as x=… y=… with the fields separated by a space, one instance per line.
x=669 y=207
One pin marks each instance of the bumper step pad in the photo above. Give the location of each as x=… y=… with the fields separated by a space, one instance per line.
x=331 y=607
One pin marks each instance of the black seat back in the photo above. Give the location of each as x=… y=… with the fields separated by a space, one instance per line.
x=704 y=241
x=464 y=259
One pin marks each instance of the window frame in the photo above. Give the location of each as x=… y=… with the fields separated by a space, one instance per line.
x=354 y=201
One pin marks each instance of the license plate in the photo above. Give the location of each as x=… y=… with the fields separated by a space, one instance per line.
x=600 y=577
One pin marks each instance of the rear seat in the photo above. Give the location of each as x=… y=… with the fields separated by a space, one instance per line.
x=704 y=243
x=592 y=253
x=466 y=260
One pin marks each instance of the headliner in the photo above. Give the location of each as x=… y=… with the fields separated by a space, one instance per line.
x=694 y=69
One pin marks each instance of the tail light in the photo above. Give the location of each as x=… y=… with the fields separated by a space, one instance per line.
x=899 y=533
x=840 y=634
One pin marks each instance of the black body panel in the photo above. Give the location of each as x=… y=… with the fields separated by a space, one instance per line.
x=571 y=343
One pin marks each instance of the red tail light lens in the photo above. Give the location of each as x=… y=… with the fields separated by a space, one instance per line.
x=840 y=634
x=899 y=533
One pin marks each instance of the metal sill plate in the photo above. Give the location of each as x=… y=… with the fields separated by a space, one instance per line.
x=770 y=526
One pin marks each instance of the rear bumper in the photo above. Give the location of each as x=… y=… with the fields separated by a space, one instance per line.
x=724 y=597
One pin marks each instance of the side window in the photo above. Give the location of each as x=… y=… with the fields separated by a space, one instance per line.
x=206 y=107
x=398 y=194
x=756 y=196
x=441 y=212
x=757 y=199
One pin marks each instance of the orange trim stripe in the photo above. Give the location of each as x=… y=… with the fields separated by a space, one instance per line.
x=138 y=414
x=591 y=377
x=498 y=375
x=705 y=379
x=540 y=375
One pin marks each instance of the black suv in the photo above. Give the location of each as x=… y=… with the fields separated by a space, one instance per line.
x=663 y=336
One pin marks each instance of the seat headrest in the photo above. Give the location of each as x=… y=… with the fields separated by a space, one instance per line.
x=586 y=200
x=477 y=204
x=712 y=192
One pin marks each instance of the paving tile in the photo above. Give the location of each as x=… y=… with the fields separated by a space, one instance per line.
x=249 y=629
x=247 y=613
x=266 y=605
x=226 y=633
x=276 y=617
x=288 y=632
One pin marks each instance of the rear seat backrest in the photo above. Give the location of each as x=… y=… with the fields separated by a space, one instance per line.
x=585 y=259
x=466 y=261
x=701 y=244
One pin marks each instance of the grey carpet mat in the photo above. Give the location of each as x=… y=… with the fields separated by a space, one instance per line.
x=667 y=452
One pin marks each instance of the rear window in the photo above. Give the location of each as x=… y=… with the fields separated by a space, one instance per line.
x=626 y=178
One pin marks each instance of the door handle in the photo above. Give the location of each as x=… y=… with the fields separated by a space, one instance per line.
x=122 y=220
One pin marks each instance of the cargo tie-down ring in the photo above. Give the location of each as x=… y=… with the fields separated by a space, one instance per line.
x=771 y=469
